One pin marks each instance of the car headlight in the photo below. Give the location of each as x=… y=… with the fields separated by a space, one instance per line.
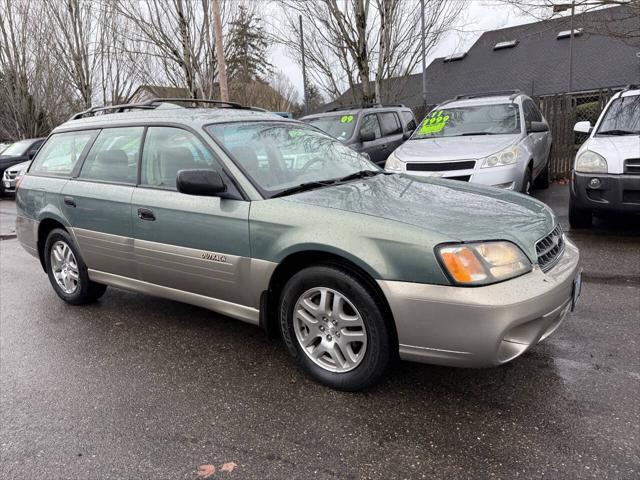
x=591 y=162
x=508 y=156
x=394 y=164
x=474 y=264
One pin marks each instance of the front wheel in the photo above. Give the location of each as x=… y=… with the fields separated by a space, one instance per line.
x=527 y=182
x=544 y=179
x=67 y=271
x=334 y=327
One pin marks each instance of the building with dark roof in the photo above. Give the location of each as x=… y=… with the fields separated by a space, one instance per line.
x=533 y=58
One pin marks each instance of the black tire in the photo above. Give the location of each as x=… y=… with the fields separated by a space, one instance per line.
x=527 y=183
x=544 y=179
x=86 y=290
x=579 y=217
x=377 y=356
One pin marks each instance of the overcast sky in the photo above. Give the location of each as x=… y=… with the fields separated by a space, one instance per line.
x=479 y=16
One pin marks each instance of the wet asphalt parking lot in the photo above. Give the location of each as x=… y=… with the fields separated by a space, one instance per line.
x=136 y=387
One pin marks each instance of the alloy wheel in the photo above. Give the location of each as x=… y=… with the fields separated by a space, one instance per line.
x=64 y=267
x=330 y=329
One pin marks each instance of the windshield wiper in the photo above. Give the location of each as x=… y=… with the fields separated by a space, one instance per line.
x=303 y=187
x=619 y=132
x=362 y=174
x=469 y=134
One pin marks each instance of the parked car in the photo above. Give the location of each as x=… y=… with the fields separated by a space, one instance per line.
x=606 y=172
x=16 y=153
x=275 y=223
x=376 y=131
x=3 y=147
x=13 y=175
x=498 y=139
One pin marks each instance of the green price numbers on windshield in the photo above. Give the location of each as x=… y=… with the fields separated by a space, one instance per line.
x=434 y=123
x=346 y=119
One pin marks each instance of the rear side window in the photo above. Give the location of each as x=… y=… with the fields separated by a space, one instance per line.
x=410 y=120
x=114 y=156
x=59 y=155
x=370 y=124
x=390 y=123
x=168 y=150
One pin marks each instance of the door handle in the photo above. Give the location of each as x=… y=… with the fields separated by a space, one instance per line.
x=146 y=214
x=69 y=201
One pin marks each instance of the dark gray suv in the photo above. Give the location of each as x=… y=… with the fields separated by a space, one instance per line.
x=376 y=131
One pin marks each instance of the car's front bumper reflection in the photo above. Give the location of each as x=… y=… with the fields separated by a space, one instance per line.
x=482 y=326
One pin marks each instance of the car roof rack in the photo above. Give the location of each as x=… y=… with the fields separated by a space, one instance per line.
x=498 y=93
x=154 y=103
x=372 y=105
x=631 y=86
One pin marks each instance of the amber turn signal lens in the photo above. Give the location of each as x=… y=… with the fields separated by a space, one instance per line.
x=463 y=265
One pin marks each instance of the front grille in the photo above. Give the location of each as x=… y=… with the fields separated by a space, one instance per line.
x=441 y=166
x=632 y=166
x=550 y=249
x=8 y=175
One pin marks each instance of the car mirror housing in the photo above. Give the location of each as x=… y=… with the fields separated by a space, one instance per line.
x=206 y=183
x=537 y=127
x=367 y=136
x=583 y=127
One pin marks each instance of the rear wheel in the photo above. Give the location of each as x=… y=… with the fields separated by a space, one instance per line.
x=334 y=327
x=67 y=271
x=579 y=217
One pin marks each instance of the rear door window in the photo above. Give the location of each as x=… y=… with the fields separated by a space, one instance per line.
x=114 y=156
x=167 y=150
x=60 y=154
x=370 y=124
x=390 y=123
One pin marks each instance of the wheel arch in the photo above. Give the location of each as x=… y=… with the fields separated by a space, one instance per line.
x=45 y=226
x=295 y=262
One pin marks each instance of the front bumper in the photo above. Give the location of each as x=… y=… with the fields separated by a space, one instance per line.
x=482 y=326
x=9 y=185
x=508 y=176
x=614 y=193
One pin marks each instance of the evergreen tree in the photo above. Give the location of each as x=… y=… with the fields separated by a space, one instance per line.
x=247 y=49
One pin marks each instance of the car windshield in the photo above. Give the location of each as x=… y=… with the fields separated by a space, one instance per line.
x=338 y=126
x=622 y=117
x=278 y=156
x=18 y=148
x=472 y=120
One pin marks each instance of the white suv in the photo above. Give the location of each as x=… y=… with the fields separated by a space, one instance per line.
x=499 y=139
x=606 y=173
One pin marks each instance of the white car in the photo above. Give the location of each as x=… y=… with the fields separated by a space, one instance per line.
x=499 y=139
x=606 y=172
x=12 y=176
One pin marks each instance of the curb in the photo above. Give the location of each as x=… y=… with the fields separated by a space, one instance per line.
x=9 y=236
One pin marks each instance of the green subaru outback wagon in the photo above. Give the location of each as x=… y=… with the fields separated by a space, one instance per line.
x=273 y=222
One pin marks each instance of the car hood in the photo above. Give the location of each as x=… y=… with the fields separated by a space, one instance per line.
x=454 y=210
x=615 y=149
x=20 y=166
x=453 y=148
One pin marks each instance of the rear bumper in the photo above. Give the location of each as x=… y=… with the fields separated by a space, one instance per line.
x=614 y=193
x=483 y=326
x=27 y=233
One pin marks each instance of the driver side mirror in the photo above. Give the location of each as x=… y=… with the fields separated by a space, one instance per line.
x=31 y=154
x=206 y=183
x=537 y=127
x=582 y=127
x=367 y=136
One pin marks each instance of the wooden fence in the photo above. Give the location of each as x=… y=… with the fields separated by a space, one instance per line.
x=562 y=112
